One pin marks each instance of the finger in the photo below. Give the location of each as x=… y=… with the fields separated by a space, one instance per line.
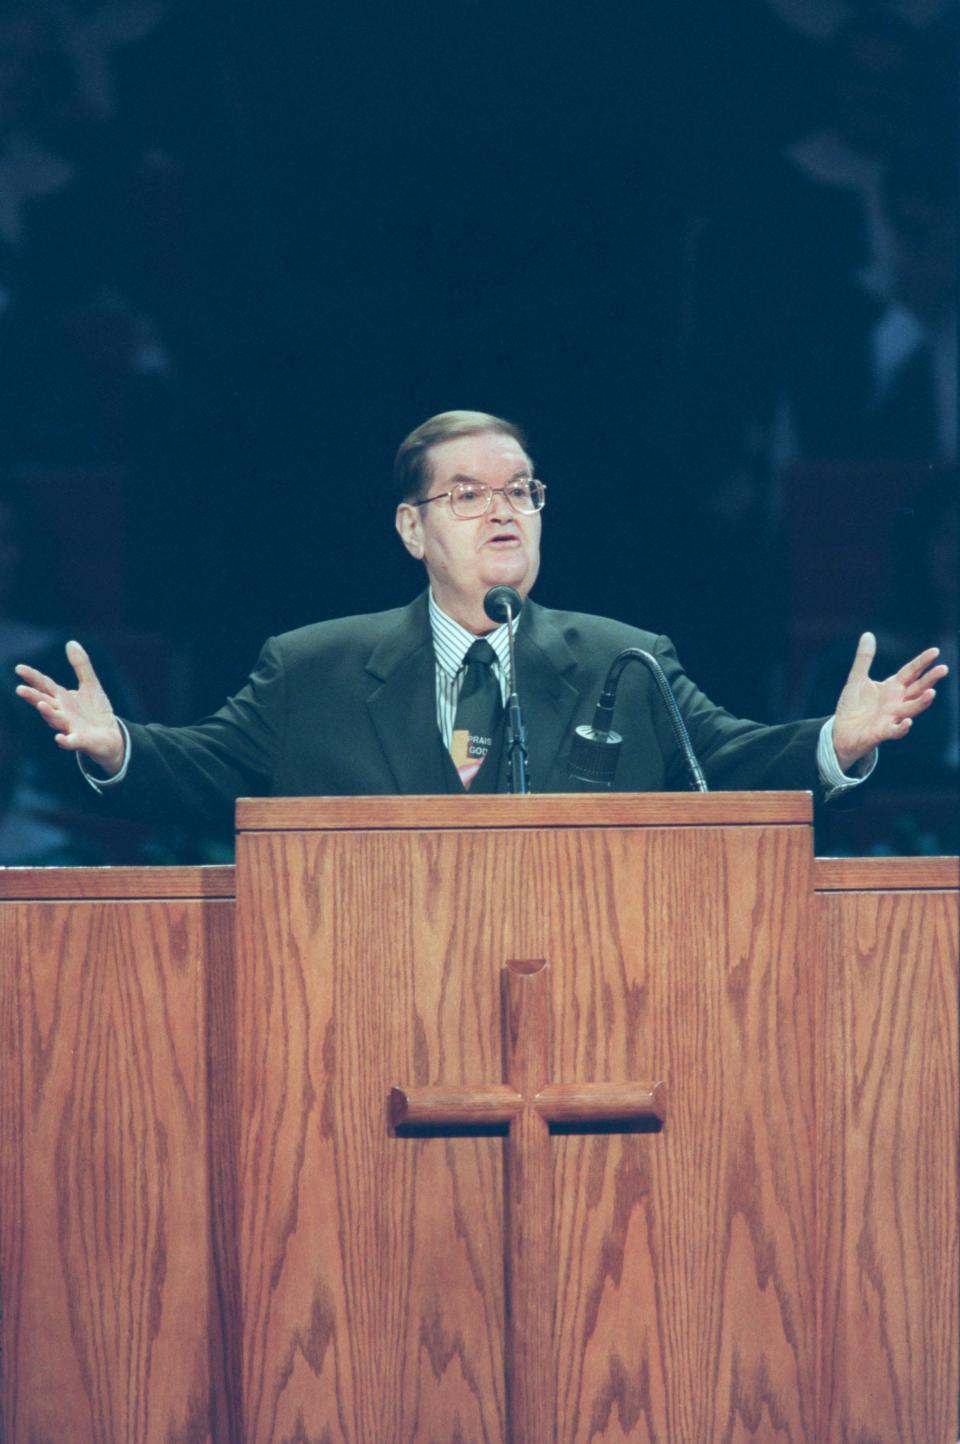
x=36 y=679
x=901 y=720
x=928 y=679
x=33 y=696
x=68 y=741
x=917 y=704
x=911 y=670
x=81 y=664
x=52 y=715
x=866 y=651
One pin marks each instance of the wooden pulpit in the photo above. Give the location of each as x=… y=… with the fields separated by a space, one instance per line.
x=672 y=1268
x=519 y=1120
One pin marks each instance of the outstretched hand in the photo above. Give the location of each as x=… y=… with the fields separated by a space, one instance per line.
x=82 y=719
x=870 y=712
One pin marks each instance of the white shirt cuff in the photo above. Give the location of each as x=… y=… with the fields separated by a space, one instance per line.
x=100 y=784
x=834 y=779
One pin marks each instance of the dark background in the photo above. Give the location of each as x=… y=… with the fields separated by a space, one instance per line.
x=285 y=234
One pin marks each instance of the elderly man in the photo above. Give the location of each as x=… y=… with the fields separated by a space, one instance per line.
x=409 y=701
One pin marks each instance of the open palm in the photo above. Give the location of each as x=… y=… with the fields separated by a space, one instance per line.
x=82 y=717
x=871 y=712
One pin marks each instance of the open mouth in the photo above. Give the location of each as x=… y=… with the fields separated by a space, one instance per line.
x=503 y=538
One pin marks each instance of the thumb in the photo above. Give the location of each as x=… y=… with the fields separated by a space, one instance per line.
x=81 y=663
x=862 y=662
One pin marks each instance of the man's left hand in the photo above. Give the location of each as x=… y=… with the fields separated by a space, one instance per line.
x=870 y=712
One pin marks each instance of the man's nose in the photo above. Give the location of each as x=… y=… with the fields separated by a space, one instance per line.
x=500 y=508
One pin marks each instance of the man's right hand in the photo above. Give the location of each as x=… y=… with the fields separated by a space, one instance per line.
x=83 y=720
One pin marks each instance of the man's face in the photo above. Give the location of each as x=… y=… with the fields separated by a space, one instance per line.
x=466 y=557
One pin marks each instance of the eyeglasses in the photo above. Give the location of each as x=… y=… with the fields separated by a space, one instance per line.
x=467 y=499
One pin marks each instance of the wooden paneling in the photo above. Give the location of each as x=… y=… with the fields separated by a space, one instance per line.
x=888 y=1171
x=685 y=1257
x=585 y=809
x=212 y=1233
x=885 y=874
x=109 y=1329
x=115 y=882
x=372 y=1265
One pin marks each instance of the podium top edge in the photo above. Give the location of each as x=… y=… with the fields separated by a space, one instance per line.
x=141 y=883
x=540 y=810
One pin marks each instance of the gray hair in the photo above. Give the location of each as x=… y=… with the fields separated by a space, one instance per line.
x=411 y=470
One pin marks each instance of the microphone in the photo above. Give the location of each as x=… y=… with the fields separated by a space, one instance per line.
x=596 y=748
x=502 y=604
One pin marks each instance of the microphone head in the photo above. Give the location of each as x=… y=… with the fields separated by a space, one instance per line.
x=500 y=602
x=594 y=755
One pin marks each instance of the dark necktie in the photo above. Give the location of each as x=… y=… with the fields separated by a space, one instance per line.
x=478 y=712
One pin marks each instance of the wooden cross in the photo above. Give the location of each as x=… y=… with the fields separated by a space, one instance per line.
x=528 y=1104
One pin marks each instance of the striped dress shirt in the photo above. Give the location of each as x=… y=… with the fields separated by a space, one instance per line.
x=451 y=642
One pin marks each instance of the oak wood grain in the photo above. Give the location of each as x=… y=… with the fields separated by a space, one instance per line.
x=105 y=1223
x=588 y=1103
x=685 y=1258
x=209 y=1232
x=889 y=1165
x=494 y=1104
x=527 y=1105
x=115 y=882
x=530 y=1368
x=371 y=1266
x=358 y=1249
x=885 y=874
x=611 y=809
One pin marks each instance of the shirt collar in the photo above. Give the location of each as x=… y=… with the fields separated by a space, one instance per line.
x=451 y=642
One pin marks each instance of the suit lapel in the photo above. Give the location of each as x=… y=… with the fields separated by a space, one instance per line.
x=403 y=704
x=548 y=694
x=403 y=707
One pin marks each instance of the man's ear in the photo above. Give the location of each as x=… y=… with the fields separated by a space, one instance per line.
x=408 y=525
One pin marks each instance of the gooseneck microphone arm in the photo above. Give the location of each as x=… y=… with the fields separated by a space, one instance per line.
x=596 y=748
x=502 y=604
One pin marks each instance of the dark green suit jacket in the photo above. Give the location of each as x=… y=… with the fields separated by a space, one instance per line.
x=349 y=707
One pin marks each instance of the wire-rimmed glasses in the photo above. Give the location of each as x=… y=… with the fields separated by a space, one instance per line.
x=525 y=494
